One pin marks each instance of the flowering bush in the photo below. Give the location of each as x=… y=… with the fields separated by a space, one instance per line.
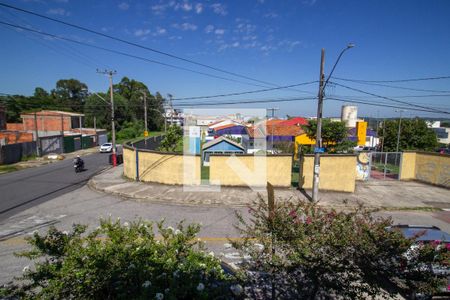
x=303 y=251
x=122 y=261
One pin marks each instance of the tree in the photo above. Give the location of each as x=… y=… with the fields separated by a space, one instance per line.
x=71 y=93
x=101 y=109
x=332 y=132
x=414 y=135
x=172 y=139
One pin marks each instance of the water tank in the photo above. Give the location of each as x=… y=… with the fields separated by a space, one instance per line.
x=349 y=115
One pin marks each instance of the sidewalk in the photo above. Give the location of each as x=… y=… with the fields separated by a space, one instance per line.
x=391 y=195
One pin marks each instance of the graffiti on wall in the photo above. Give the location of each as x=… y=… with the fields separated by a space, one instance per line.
x=363 y=166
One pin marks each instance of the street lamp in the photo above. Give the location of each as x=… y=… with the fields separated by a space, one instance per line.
x=322 y=85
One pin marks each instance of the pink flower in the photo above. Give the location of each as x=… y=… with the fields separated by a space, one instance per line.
x=308 y=220
x=436 y=242
x=293 y=214
x=448 y=246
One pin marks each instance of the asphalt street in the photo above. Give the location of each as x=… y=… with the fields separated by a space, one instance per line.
x=29 y=187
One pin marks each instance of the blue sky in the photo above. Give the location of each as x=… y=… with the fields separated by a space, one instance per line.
x=273 y=41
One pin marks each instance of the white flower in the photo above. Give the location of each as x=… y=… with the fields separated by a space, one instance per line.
x=259 y=246
x=200 y=287
x=146 y=284
x=26 y=269
x=211 y=254
x=65 y=233
x=202 y=265
x=177 y=231
x=170 y=228
x=236 y=289
x=159 y=296
x=126 y=224
x=227 y=245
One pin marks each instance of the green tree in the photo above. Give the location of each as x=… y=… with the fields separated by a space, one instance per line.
x=414 y=135
x=172 y=139
x=71 y=93
x=100 y=109
x=332 y=132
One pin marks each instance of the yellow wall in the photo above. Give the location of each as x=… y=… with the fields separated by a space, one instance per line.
x=302 y=139
x=433 y=168
x=408 y=166
x=163 y=168
x=337 y=172
x=278 y=170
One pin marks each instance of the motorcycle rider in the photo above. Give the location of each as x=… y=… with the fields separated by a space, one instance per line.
x=78 y=161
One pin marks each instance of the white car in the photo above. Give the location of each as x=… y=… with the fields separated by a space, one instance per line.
x=106 y=147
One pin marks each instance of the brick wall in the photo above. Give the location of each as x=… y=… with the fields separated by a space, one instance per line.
x=46 y=123
x=14 y=137
x=14 y=126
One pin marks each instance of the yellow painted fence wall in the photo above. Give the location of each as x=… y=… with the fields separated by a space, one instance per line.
x=249 y=170
x=337 y=172
x=427 y=167
x=166 y=168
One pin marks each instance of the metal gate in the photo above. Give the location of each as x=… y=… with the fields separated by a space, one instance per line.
x=385 y=165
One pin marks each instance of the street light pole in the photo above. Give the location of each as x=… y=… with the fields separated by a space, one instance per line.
x=113 y=126
x=322 y=85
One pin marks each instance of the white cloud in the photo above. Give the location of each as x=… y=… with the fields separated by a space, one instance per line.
x=123 y=6
x=175 y=37
x=141 y=32
x=198 y=8
x=219 y=9
x=288 y=45
x=58 y=11
x=158 y=9
x=235 y=44
x=219 y=31
x=186 y=6
x=209 y=28
x=159 y=31
x=185 y=26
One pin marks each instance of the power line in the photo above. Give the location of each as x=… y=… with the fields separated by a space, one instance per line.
x=380 y=105
x=135 y=44
x=390 y=99
x=392 y=86
x=124 y=54
x=398 y=80
x=243 y=93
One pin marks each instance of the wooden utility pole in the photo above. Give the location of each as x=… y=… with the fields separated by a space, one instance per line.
x=113 y=127
x=315 y=192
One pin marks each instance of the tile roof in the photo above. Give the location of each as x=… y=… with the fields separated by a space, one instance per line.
x=277 y=129
x=295 y=121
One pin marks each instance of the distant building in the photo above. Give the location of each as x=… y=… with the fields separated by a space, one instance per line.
x=2 y=117
x=442 y=133
x=220 y=145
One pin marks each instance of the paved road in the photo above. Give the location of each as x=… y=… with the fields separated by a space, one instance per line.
x=26 y=188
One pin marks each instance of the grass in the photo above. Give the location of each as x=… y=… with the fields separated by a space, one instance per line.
x=205 y=173
x=27 y=158
x=392 y=168
x=8 y=168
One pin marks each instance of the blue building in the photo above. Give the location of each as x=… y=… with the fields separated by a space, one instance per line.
x=220 y=145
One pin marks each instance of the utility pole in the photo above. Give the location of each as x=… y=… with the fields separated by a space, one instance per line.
x=38 y=147
x=315 y=192
x=62 y=133
x=322 y=85
x=271 y=127
x=110 y=73
x=399 y=128
x=81 y=131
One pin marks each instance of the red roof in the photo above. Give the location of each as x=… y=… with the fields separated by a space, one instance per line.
x=276 y=129
x=295 y=121
x=224 y=126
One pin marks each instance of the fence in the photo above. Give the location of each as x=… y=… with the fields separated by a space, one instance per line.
x=51 y=144
x=13 y=153
x=428 y=167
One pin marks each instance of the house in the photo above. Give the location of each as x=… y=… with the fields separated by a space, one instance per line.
x=220 y=145
x=2 y=117
x=266 y=135
x=235 y=132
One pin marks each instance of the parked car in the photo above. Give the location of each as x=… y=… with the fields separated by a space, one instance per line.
x=106 y=148
x=426 y=235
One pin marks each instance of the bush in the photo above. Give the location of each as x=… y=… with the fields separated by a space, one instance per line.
x=303 y=251
x=122 y=261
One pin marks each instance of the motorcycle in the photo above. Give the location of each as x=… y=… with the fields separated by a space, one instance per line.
x=78 y=164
